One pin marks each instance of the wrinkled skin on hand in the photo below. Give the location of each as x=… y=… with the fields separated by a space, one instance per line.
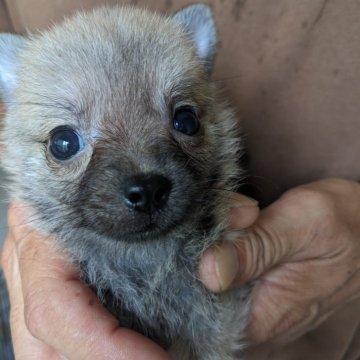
x=303 y=252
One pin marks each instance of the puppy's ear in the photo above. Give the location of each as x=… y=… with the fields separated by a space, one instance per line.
x=198 y=22
x=10 y=47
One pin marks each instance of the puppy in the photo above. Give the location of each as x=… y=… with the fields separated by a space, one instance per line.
x=118 y=140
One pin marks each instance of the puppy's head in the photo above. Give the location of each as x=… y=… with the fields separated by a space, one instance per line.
x=113 y=124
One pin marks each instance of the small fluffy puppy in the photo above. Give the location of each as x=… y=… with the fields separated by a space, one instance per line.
x=116 y=137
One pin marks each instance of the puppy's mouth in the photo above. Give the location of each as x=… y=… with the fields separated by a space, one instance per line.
x=133 y=226
x=153 y=229
x=162 y=226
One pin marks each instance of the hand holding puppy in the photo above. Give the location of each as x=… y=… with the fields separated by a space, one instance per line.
x=303 y=252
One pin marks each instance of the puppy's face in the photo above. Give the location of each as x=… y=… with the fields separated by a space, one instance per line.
x=112 y=122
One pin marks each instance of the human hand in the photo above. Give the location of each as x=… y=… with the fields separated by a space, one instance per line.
x=53 y=314
x=304 y=251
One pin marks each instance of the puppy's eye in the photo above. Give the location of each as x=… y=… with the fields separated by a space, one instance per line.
x=186 y=121
x=64 y=143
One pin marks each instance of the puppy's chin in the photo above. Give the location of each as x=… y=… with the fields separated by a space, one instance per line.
x=140 y=227
x=146 y=233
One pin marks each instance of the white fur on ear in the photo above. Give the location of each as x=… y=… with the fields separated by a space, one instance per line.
x=10 y=46
x=198 y=22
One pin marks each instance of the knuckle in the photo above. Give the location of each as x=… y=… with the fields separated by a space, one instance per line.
x=314 y=202
x=306 y=196
x=317 y=199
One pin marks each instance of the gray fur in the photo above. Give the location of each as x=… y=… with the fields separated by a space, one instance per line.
x=10 y=46
x=198 y=23
x=116 y=75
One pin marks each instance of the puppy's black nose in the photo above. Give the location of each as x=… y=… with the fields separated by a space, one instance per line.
x=145 y=192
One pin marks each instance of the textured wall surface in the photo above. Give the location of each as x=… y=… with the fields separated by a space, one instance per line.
x=5 y=22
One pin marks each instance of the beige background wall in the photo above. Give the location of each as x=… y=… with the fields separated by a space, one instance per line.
x=33 y=14
x=5 y=23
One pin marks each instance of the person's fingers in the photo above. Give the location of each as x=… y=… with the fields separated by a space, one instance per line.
x=270 y=241
x=219 y=264
x=236 y=200
x=303 y=224
x=243 y=211
x=61 y=311
x=25 y=346
x=243 y=216
x=258 y=250
x=303 y=249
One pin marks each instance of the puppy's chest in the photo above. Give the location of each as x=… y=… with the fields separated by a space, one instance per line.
x=156 y=300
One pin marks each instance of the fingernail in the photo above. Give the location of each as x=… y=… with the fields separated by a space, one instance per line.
x=226 y=264
x=207 y=271
x=245 y=202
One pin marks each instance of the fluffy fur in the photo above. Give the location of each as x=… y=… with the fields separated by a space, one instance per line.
x=116 y=75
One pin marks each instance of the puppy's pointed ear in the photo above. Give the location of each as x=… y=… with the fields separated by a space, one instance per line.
x=10 y=47
x=198 y=23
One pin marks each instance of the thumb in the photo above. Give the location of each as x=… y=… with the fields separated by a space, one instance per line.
x=258 y=249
